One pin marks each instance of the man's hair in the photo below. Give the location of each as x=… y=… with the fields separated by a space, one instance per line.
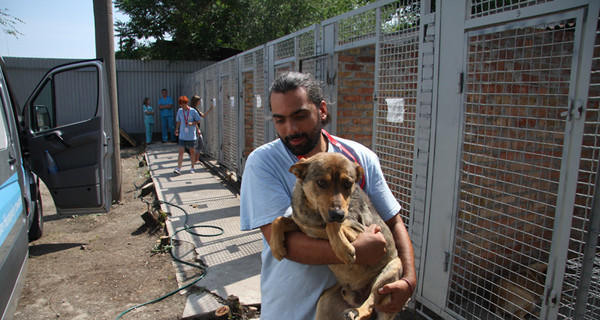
x=291 y=80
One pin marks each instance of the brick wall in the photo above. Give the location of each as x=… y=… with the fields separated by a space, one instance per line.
x=356 y=81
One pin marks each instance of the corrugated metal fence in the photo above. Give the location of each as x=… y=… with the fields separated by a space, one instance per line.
x=135 y=81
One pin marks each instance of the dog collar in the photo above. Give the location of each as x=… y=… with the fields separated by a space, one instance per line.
x=345 y=152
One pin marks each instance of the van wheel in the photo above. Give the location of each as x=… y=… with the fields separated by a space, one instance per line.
x=37 y=224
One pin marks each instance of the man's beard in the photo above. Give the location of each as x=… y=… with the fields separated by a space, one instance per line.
x=312 y=139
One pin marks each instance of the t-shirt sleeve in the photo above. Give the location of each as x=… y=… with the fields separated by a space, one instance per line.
x=264 y=194
x=377 y=188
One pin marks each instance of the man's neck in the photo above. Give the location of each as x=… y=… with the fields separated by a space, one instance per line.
x=320 y=147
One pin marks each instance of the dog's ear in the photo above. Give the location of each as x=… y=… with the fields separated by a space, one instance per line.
x=359 y=172
x=299 y=168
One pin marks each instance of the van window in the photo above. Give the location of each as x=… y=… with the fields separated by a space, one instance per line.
x=3 y=125
x=69 y=97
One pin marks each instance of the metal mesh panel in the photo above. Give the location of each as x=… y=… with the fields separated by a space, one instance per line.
x=395 y=113
x=212 y=123
x=315 y=66
x=230 y=117
x=248 y=61
x=517 y=86
x=259 y=99
x=480 y=8
x=306 y=44
x=400 y=16
x=285 y=49
x=582 y=235
x=357 y=27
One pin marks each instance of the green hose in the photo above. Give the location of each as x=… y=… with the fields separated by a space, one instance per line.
x=188 y=229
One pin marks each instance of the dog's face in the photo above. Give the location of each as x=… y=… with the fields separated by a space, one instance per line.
x=327 y=180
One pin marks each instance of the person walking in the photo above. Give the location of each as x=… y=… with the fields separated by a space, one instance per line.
x=148 y=119
x=165 y=105
x=187 y=120
x=195 y=103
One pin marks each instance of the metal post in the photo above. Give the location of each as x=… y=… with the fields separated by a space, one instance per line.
x=589 y=251
x=105 y=49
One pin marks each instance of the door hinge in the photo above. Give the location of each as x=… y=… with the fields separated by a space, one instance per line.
x=461 y=82
x=578 y=109
x=574 y=110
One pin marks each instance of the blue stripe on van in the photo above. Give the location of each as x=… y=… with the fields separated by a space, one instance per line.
x=11 y=205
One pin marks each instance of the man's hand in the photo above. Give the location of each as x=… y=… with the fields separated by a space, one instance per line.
x=400 y=292
x=370 y=246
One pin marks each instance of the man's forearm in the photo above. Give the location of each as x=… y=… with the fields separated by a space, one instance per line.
x=405 y=249
x=303 y=249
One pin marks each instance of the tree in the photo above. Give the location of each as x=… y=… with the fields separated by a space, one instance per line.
x=8 y=23
x=203 y=29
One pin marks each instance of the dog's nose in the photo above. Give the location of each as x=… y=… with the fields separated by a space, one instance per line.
x=336 y=215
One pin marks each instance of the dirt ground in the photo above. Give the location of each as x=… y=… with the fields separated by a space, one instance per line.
x=98 y=266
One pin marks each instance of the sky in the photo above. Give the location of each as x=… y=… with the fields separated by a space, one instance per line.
x=52 y=29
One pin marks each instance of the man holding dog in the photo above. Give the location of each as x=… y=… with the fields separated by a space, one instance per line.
x=291 y=288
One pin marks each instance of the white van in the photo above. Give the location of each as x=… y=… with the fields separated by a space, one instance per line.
x=62 y=137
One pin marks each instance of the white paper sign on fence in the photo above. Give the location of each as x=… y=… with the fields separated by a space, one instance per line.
x=258 y=101
x=395 y=112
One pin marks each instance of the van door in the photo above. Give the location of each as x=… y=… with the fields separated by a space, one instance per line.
x=68 y=128
x=13 y=224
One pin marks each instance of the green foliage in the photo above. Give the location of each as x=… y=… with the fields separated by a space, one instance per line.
x=8 y=23
x=201 y=29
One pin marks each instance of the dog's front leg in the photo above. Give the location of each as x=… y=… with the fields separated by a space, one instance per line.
x=279 y=227
x=342 y=248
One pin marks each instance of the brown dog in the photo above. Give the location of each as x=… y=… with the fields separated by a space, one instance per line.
x=519 y=295
x=327 y=204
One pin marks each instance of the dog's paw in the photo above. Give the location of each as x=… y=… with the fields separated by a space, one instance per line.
x=278 y=251
x=351 y=314
x=349 y=257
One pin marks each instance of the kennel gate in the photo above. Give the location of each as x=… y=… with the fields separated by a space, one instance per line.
x=211 y=138
x=229 y=116
x=519 y=195
x=397 y=84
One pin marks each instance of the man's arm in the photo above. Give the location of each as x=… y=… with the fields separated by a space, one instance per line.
x=164 y=106
x=400 y=290
x=369 y=246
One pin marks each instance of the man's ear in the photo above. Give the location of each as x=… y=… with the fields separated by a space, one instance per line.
x=359 y=172
x=322 y=111
x=299 y=168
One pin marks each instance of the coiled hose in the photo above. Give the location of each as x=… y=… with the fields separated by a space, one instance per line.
x=187 y=228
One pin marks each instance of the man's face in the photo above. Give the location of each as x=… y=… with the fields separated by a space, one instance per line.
x=164 y=93
x=297 y=120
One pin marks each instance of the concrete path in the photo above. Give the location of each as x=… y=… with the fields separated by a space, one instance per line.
x=233 y=258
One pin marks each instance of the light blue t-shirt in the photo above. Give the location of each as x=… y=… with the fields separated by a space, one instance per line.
x=166 y=112
x=187 y=133
x=290 y=290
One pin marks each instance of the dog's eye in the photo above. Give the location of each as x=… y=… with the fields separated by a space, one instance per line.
x=348 y=184
x=322 y=183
